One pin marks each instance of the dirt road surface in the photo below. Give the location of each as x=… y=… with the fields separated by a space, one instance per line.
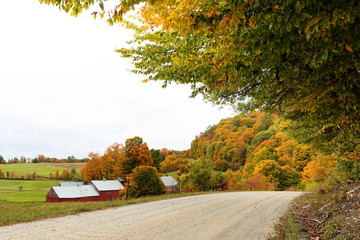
x=235 y=215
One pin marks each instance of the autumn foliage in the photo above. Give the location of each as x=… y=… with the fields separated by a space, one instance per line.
x=256 y=154
x=136 y=153
x=173 y=163
x=117 y=160
x=144 y=181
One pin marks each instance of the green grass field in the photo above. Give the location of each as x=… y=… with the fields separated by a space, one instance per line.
x=25 y=196
x=32 y=190
x=172 y=174
x=24 y=168
x=29 y=184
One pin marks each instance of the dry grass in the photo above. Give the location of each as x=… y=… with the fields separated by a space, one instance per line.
x=77 y=166
x=331 y=212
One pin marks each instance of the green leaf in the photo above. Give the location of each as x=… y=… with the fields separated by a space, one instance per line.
x=296 y=22
x=289 y=26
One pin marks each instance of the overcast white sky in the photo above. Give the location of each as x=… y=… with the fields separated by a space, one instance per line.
x=65 y=91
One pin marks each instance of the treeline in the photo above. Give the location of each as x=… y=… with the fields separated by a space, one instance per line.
x=41 y=158
x=133 y=161
x=120 y=160
x=66 y=174
x=252 y=152
x=158 y=155
x=12 y=175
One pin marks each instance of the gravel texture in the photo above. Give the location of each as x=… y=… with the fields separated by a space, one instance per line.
x=234 y=215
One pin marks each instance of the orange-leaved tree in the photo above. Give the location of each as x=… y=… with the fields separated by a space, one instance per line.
x=319 y=168
x=105 y=166
x=136 y=153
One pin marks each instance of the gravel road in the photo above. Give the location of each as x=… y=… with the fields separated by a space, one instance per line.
x=235 y=215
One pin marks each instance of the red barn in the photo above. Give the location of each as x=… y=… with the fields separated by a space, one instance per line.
x=122 y=181
x=170 y=184
x=107 y=189
x=72 y=194
x=68 y=184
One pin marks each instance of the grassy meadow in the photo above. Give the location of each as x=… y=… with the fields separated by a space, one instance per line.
x=172 y=174
x=25 y=168
x=31 y=190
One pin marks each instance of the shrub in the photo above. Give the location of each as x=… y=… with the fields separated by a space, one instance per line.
x=146 y=181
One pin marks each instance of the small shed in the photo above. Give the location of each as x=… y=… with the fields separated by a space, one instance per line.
x=170 y=183
x=122 y=180
x=69 y=184
x=107 y=189
x=83 y=193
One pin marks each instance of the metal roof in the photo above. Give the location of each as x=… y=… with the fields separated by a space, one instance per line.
x=107 y=185
x=76 y=191
x=121 y=179
x=168 y=181
x=68 y=184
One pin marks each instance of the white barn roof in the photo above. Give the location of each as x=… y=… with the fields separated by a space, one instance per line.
x=68 y=184
x=168 y=181
x=76 y=191
x=107 y=185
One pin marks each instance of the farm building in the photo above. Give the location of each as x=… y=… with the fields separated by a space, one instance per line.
x=103 y=190
x=170 y=184
x=68 y=184
x=108 y=189
x=85 y=193
x=122 y=180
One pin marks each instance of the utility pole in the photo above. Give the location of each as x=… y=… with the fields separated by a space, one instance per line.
x=127 y=189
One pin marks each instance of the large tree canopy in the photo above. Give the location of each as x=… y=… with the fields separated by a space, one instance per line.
x=298 y=58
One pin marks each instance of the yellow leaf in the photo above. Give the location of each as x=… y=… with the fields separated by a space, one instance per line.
x=252 y=22
x=307 y=30
x=145 y=81
x=348 y=47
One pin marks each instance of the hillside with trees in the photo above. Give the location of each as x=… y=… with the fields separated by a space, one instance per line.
x=254 y=153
